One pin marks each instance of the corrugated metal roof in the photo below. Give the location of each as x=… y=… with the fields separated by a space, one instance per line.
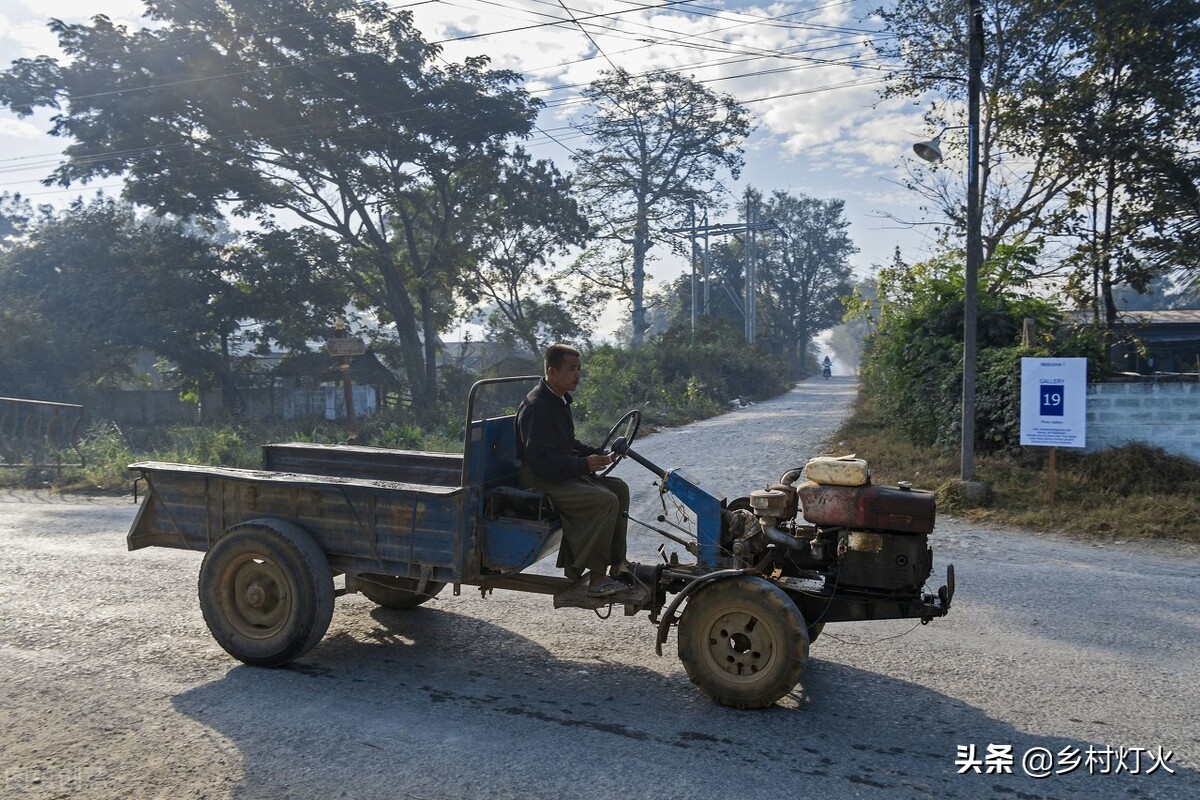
x=1176 y=316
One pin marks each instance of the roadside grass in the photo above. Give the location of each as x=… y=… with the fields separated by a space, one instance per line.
x=108 y=449
x=1127 y=493
x=1132 y=492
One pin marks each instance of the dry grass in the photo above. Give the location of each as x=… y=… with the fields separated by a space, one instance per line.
x=1130 y=492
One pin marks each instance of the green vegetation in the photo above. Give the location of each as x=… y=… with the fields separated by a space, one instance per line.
x=1132 y=492
x=671 y=381
x=907 y=421
x=912 y=363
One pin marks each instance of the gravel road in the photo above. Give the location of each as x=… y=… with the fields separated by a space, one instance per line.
x=112 y=687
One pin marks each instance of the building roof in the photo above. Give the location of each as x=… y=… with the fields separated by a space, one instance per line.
x=1174 y=316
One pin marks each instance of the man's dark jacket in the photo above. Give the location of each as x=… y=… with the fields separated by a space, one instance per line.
x=546 y=436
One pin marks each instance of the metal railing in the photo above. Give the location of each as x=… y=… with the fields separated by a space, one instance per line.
x=37 y=433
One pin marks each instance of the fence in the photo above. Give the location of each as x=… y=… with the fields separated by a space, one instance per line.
x=159 y=407
x=35 y=433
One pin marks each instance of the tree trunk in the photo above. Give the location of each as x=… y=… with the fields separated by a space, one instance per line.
x=429 y=330
x=640 y=247
x=400 y=306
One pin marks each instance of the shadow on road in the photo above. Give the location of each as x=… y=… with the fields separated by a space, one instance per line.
x=434 y=704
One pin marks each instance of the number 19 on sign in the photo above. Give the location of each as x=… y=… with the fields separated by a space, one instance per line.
x=1051 y=404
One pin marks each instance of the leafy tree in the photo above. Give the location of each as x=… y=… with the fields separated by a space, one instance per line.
x=657 y=143
x=332 y=113
x=99 y=284
x=912 y=364
x=1089 y=115
x=803 y=273
x=1124 y=125
x=1022 y=185
x=531 y=218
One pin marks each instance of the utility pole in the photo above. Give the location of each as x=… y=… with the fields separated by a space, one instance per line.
x=707 y=266
x=746 y=301
x=974 y=234
x=692 y=255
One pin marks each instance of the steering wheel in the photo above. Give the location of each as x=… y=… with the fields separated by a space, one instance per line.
x=626 y=428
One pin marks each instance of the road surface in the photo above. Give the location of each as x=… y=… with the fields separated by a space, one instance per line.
x=112 y=687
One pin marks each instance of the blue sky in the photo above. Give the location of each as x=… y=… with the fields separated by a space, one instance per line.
x=803 y=68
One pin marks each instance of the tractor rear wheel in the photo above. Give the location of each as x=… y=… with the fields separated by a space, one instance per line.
x=396 y=593
x=266 y=592
x=743 y=642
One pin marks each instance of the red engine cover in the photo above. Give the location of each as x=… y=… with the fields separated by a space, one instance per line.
x=880 y=508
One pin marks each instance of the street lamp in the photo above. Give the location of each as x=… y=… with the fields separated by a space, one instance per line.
x=931 y=151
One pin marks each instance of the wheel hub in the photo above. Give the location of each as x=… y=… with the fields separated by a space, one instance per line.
x=738 y=645
x=256 y=595
x=257 y=600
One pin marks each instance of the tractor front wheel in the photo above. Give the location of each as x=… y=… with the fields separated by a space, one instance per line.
x=743 y=642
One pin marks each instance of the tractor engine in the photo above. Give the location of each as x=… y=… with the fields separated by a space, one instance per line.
x=838 y=524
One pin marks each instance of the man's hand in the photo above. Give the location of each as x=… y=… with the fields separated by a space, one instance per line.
x=597 y=463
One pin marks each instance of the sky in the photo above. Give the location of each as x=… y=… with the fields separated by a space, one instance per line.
x=804 y=69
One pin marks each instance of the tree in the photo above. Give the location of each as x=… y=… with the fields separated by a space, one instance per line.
x=531 y=218
x=1089 y=119
x=912 y=364
x=331 y=113
x=657 y=144
x=803 y=272
x=1124 y=125
x=1021 y=183
x=98 y=284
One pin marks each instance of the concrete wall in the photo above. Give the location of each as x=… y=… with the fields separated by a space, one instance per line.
x=1163 y=414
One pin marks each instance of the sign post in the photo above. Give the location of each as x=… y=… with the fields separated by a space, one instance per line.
x=344 y=347
x=1053 y=407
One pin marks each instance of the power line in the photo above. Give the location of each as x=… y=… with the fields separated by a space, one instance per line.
x=744 y=56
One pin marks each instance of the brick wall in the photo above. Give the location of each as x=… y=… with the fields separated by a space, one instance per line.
x=1162 y=414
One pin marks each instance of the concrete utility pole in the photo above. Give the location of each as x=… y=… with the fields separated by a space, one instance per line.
x=692 y=256
x=343 y=346
x=750 y=290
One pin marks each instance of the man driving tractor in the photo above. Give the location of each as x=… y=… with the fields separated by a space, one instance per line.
x=592 y=508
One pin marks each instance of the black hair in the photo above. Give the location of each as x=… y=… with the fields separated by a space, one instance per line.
x=557 y=353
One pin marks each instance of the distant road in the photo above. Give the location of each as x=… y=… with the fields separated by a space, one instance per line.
x=112 y=688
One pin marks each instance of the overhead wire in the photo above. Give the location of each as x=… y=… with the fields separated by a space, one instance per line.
x=743 y=56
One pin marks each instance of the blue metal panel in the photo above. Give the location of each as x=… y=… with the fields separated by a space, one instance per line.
x=493 y=452
x=511 y=545
x=376 y=525
x=708 y=517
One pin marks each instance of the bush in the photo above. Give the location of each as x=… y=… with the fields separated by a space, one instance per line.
x=913 y=360
x=673 y=380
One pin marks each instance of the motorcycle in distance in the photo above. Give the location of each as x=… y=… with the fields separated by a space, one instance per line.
x=826 y=368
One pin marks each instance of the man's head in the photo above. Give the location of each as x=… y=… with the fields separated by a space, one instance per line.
x=562 y=368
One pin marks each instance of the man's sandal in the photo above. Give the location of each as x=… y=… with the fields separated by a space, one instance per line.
x=604 y=588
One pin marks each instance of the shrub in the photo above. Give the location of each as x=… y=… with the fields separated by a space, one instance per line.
x=913 y=360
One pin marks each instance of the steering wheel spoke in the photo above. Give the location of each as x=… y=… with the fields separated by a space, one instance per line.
x=627 y=429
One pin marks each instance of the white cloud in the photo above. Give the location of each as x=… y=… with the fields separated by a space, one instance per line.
x=18 y=129
x=825 y=133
